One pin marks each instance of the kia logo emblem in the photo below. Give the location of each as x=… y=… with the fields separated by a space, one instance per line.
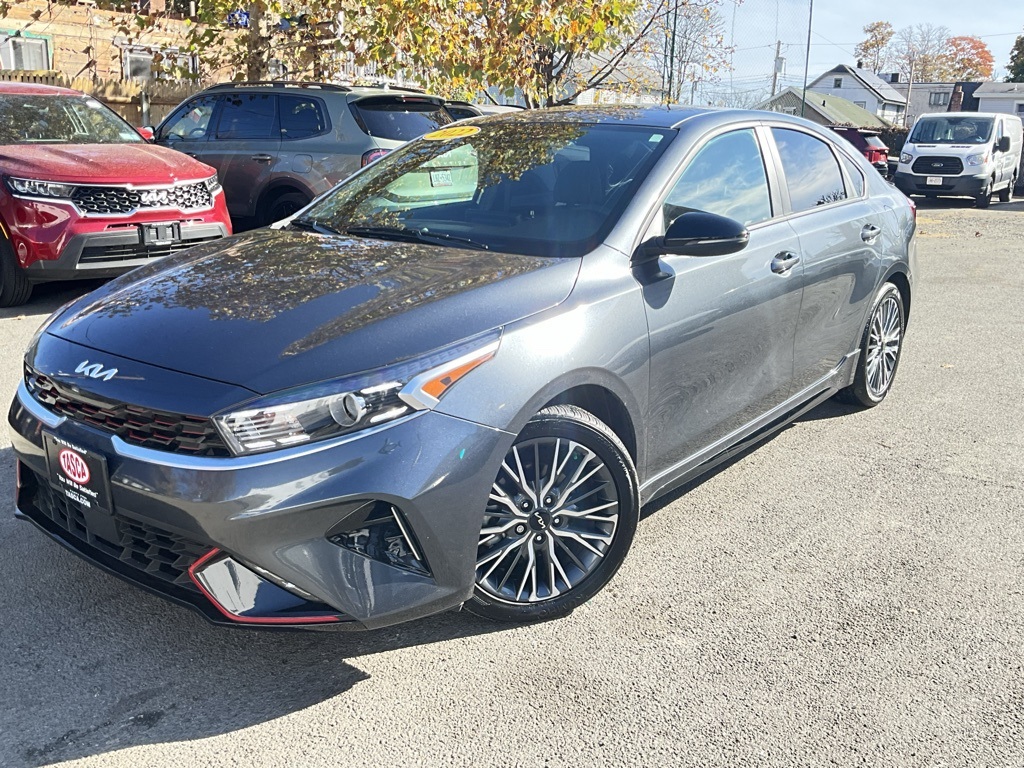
x=74 y=466
x=96 y=370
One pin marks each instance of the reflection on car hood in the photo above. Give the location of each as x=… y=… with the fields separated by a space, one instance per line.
x=273 y=309
x=101 y=163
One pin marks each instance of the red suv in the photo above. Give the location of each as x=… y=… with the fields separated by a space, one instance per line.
x=84 y=196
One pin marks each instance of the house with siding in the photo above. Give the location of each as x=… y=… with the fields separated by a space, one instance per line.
x=1006 y=98
x=822 y=108
x=863 y=88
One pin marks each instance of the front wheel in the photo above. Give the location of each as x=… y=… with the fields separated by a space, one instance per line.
x=880 y=349
x=985 y=198
x=15 y=288
x=1006 y=195
x=559 y=520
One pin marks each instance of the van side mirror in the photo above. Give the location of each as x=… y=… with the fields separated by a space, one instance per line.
x=1004 y=144
x=696 y=233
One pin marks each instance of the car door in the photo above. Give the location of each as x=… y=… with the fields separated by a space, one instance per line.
x=840 y=232
x=721 y=327
x=244 y=148
x=187 y=128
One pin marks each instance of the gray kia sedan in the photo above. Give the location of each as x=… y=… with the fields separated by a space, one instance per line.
x=455 y=379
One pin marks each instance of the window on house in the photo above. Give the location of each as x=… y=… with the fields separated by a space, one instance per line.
x=1020 y=111
x=141 y=63
x=837 y=82
x=861 y=104
x=938 y=98
x=25 y=53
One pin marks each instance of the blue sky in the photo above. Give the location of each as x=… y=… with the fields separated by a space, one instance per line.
x=755 y=25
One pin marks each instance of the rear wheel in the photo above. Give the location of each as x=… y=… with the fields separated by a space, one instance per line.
x=282 y=206
x=15 y=288
x=880 y=349
x=560 y=519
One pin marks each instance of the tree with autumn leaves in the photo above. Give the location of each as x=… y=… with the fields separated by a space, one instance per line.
x=925 y=53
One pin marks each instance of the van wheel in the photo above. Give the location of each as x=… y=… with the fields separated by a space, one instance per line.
x=15 y=289
x=282 y=206
x=985 y=198
x=1005 y=195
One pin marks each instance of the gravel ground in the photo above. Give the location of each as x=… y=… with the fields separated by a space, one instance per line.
x=850 y=593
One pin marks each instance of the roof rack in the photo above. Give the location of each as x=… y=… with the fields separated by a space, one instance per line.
x=279 y=84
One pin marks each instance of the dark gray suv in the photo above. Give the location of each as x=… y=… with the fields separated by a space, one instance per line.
x=277 y=145
x=455 y=379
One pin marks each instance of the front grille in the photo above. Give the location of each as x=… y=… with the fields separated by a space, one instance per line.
x=938 y=166
x=142 y=547
x=111 y=254
x=122 y=200
x=192 y=435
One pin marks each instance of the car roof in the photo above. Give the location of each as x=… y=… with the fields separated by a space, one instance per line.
x=646 y=115
x=352 y=91
x=35 y=89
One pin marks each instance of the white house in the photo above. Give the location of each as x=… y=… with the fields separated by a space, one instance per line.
x=1001 y=97
x=865 y=89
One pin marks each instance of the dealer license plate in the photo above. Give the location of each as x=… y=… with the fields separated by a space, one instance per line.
x=933 y=181
x=78 y=474
x=161 y=234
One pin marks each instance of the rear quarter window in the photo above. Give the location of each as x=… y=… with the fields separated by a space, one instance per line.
x=399 y=119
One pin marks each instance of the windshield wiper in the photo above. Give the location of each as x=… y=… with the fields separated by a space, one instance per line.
x=312 y=225
x=416 y=236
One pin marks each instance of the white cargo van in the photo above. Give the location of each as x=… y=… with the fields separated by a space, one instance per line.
x=973 y=154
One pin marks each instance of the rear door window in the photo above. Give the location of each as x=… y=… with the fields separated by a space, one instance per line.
x=397 y=118
x=812 y=171
x=248 y=116
x=301 y=117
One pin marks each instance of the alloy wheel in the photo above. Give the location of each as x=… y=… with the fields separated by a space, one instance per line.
x=883 y=346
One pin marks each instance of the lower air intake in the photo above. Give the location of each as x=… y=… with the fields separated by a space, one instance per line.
x=377 y=530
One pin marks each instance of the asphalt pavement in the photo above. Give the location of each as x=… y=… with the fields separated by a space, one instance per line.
x=849 y=593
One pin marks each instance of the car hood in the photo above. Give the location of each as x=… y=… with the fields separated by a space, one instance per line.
x=139 y=164
x=273 y=309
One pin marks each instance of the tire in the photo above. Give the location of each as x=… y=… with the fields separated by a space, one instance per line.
x=283 y=206
x=1006 y=195
x=573 y=555
x=15 y=288
x=872 y=382
x=985 y=198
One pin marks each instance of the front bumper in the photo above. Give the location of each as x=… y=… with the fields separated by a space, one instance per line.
x=281 y=515
x=956 y=186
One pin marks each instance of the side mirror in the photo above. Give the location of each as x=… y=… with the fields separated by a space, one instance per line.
x=1004 y=144
x=696 y=233
x=146 y=132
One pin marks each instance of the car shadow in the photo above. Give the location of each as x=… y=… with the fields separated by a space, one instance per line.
x=47 y=297
x=93 y=665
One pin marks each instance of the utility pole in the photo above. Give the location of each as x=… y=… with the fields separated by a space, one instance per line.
x=776 y=65
x=910 y=90
x=807 y=58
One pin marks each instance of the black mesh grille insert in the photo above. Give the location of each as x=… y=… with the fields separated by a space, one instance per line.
x=938 y=166
x=142 y=547
x=121 y=200
x=192 y=435
x=111 y=254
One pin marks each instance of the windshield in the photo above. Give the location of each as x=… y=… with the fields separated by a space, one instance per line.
x=952 y=130
x=60 y=119
x=544 y=189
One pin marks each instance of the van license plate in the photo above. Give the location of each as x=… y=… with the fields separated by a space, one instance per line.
x=933 y=181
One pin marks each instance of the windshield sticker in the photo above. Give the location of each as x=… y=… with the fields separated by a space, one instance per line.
x=455 y=132
x=440 y=178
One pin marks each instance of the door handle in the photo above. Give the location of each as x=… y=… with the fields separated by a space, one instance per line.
x=261 y=158
x=870 y=233
x=785 y=261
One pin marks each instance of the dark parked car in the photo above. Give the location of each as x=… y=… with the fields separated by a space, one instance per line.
x=456 y=378
x=277 y=145
x=83 y=196
x=869 y=143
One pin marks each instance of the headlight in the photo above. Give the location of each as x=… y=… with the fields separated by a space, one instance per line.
x=979 y=159
x=342 y=406
x=35 y=188
x=906 y=157
x=212 y=184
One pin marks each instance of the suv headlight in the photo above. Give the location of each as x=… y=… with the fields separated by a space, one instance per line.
x=979 y=159
x=36 y=188
x=906 y=157
x=342 y=406
x=212 y=184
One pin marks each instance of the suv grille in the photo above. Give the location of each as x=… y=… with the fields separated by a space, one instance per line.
x=938 y=166
x=98 y=254
x=121 y=200
x=143 y=547
x=192 y=435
